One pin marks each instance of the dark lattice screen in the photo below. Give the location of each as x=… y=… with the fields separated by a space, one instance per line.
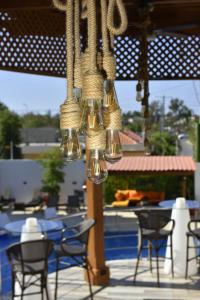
x=34 y=46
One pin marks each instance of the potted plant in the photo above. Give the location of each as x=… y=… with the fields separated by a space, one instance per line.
x=53 y=175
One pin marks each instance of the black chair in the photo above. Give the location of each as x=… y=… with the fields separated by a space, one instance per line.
x=151 y=229
x=73 y=204
x=30 y=259
x=193 y=232
x=80 y=194
x=75 y=247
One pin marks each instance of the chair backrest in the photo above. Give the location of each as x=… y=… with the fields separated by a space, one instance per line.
x=83 y=230
x=4 y=219
x=50 y=213
x=30 y=252
x=73 y=201
x=152 y=219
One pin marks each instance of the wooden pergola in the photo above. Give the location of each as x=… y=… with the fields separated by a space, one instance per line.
x=32 y=40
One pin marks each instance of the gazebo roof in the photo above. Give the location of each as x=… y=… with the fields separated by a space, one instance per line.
x=177 y=165
x=33 y=39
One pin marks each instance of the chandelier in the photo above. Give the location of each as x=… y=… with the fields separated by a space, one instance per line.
x=91 y=107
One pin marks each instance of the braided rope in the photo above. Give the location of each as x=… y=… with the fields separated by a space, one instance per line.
x=77 y=66
x=96 y=140
x=70 y=115
x=123 y=16
x=92 y=32
x=59 y=5
x=109 y=63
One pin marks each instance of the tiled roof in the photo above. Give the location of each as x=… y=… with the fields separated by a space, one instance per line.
x=154 y=164
x=39 y=135
x=134 y=136
x=125 y=139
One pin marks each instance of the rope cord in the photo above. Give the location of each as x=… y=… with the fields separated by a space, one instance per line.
x=109 y=64
x=112 y=119
x=77 y=67
x=68 y=8
x=96 y=140
x=92 y=33
x=123 y=16
x=69 y=41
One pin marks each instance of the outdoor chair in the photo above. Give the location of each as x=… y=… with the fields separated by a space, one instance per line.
x=29 y=264
x=50 y=213
x=74 y=247
x=193 y=232
x=152 y=229
x=73 y=204
x=4 y=219
x=80 y=194
x=36 y=204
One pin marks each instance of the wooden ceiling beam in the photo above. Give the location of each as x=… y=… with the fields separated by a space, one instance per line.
x=25 y=4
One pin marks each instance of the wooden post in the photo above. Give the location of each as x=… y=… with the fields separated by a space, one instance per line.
x=184 y=187
x=99 y=272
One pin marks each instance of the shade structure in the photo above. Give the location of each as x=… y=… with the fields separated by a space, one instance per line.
x=33 y=39
x=177 y=165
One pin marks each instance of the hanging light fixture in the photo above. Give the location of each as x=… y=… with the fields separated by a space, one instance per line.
x=142 y=87
x=91 y=103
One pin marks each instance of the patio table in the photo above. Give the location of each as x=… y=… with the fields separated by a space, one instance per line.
x=181 y=215
x=32 y=229
x=16 y=227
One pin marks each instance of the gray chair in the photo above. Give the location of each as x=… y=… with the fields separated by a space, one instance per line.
x=193 y=232
x=151 y=229
x=75 y=246
x=73 y=204
x=4 y=219
x=30 y=259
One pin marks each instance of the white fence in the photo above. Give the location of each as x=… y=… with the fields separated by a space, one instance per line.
x=22 y=178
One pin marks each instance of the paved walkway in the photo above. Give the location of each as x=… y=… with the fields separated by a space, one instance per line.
x=72 y=285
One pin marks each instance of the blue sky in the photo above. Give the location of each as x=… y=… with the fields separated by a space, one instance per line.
x=24 y=93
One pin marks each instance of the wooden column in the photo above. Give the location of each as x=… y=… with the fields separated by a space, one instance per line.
x=184 y=187
x=99 y=273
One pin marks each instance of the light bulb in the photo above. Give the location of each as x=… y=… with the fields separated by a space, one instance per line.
x=92 y=115
x=110 y=97
x=96 y=169
x=139 y=92
x=113 y=152
x=70 y=146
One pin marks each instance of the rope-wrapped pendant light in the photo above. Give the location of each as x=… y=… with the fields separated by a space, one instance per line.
x=91 y=98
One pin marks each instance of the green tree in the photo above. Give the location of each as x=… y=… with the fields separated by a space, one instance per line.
x=162 y=143
x=31 y=120
x=10 y=125
x=179 y=115
x=3 y=107
x=53 y=174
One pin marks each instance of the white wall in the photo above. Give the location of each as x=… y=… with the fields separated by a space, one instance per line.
x=22 y=177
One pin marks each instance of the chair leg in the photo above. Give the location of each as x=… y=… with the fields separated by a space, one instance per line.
x=22 y=293
x=187 y=257
x=56 y=283
x=157 y=264
x=89 y=281
x=172 y=258
x=137 y=264
x=150 y=257
x=13 y=285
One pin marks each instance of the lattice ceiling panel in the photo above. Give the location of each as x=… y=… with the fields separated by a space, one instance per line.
x=38 y=46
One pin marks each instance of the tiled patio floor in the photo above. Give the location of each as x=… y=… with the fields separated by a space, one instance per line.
x=72 y=285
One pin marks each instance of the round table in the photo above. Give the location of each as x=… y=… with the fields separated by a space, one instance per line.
x=191 y=204
x=16 y=227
